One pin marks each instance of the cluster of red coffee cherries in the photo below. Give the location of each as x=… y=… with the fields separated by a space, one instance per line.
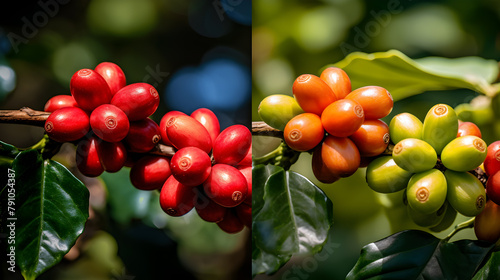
x=109 y=122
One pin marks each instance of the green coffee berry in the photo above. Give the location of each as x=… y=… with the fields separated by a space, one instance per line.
x=427 y=220
x=440 y=126
x=414 y=155
x=383 y=175
x=276 y=110
x=426 y=191
x=448 y=219
x=464 y=153
x=405 y=125
x=465 y=193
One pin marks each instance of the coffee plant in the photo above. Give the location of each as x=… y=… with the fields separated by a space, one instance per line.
x=433 y=169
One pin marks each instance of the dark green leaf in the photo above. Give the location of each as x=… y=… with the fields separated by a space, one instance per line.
x=417 y=254
x=263 y=262
x=293 y=216
x=51 y=210
x=491 y=270
x=8 y=150
x=404 y=77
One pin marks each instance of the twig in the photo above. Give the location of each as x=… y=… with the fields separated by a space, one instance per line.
x=262 y=129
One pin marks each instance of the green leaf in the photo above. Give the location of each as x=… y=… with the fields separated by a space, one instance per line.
x=51 y=210
x=291 y=215
x=414 y=254
x=404 y=77
x=8 y=150
x=491 y=270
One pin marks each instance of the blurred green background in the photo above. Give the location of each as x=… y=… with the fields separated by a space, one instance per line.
x=197 y=54
x=291 y=38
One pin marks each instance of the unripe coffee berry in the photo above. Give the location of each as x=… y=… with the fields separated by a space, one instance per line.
x=440 y=126
x=142 y=136
x=58 y=102
x=232 y=145
x=138 y=101
x=87 y=157
x=226 y=185
x=109 y=123
x=190 y=166
x=113 y=74
x=175 y=198
x=89 y=89
x=414 y=155
x=405 y=125
x=383 y=175
x=465 y=193
x=67 y=124
x=278 y=109
x=468 y=128
x=464 y=153
x=209 y=120
x=150 y=172
x=426 y=191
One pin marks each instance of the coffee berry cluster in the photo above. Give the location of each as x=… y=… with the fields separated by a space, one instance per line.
x=109 y=122
x=340 y=127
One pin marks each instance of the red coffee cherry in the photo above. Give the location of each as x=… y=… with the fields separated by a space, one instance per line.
x=247 y=160
x=175 y=198
x=468 y=128
x=340 y=155
x=113 y=74
x=226 y=185
x=493 y=188
x=231 y=223
x=58 y=102
x=492 y=161
x=304 y=132
x=87 y=157
x=371 y=138
x=138 y=101
x=142 y=136
x=244 y=214
x=232 y=144
x=209 y=120
x=112 y=155
x=67 y=124
x=89 y=89
x=247 y=172
x=312 y=93
x=320 y=170
x=163 y=126
x=150 y=172
x=109 y=123
x=185 y=131
x=343 y=117
x=337 y=80
x=376 y=101
x=190 y=166
x=207 y=209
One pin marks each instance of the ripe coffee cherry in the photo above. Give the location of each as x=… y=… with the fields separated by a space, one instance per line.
x=465 y=193
x=337 y=80
x=89 y=89
x=304 y=132
x=58 y=102
x=112 y=155
x=142 y=136
x=67 y=124
x=185 y=131
x=278 y=109
x=207 y=209
x=371 y=138
x=247 y=172
x=414 y=155
x=468 y=128
x=109 y=123
x=449 y=218
x=150 y=172
x=190 y=166
x=138 y=101
x=464 y=153
x=209 y=120
x=426 y=191
x=163 y=126
x=175 y=198
x=232 y=145
x=342 y=118
x=247 y=160
x=405 y=125
x=492 y=161
x=312 y=94
x=320 y=170
x=113 y=74
x=376 y=101
x=487 y=223
x=427 y=220
x=383 y=175
x=493 y=187
x=231 y=223
x=340 y=155
x=87 y=158
x=440 y=126
x=226 y=185
x=244 y=214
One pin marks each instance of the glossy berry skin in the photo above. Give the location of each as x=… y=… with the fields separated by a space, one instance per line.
x=320 y=170
x=113 y=74
x=247 y=160
x=207 y=209
x=247 y=172
x=58 y=102
x=226 y=185
x=185 y=131
x=465 y=193
x=209 y=120
x=109 y=123
x=492 y=161
x=338 y=80
x=414 y=155
x=371 y=138
x=376 y=101
x=163 y=125
x=427 y=220
x=190 y=166
x=468 y=128
x=138 y=101
x=449 y=218
x=383 y=175
x=464 y=153
x=232 y=145
x=67 y=124
x=244 y=214
x=231 y=223
x=440 y=126
x=493 y=188
x=426 y=191
x=175 y=198
x=405 y=125
x=89 y=89
x=112 y=155
x=304 y=132
x=340 y=155
x=142 y=136
x=342 y=118
x=312 y=94
x=278 y=109
x=150 y=172
x=487 y=223
x=87 y=158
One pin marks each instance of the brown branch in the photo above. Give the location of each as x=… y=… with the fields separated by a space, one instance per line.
x=262 y=129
